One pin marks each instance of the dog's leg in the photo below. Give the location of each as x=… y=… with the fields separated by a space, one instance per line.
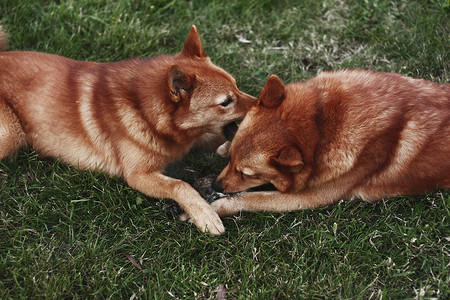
x=323 y=194
x=158 y=185
x=268 y=201
x=12 y=136
x=282 y=202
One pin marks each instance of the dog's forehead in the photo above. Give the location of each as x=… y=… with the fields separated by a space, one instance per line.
x=215 y=75
x=216 y=87
x=227 y=76
x=247 y=151
x=256 y=158
x=248 y=120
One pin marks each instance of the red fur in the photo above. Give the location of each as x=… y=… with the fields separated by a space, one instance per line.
x=359 y=133
x=128 y=118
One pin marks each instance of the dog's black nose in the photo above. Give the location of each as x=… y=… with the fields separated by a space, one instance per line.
x=217 y=187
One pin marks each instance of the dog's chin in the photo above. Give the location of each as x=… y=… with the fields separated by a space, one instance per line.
x=229 y=130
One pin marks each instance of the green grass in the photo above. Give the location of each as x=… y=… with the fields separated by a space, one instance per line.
x=72 y=234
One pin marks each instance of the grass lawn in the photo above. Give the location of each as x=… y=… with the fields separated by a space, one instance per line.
x=71 y=234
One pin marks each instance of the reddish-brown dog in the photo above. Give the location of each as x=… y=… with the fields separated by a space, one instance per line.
x=339 y=135
x=129 y=118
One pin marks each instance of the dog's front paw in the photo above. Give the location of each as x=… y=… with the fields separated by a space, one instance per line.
x=223 y=150
x=217 y=205
x=203 y=186
x=207 y=220
x=212 y=226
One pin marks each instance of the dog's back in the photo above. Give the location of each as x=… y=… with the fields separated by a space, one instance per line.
x=394 y=129
x=75 y=110
x=338 y=135
x=89 y=114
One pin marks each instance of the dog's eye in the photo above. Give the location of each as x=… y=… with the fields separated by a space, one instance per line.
x=227 y=102
x=246 y=176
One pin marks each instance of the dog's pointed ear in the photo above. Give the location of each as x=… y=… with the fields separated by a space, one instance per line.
x=289 y=158
x=180 y=83
x=193 y=45
x=273 y=93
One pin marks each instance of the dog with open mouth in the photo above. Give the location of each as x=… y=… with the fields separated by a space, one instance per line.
x=129 y=118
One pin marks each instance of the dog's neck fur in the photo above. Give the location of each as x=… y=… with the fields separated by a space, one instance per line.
x=143 y=98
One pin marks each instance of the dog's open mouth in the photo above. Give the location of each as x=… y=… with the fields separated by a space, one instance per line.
x=230 y=130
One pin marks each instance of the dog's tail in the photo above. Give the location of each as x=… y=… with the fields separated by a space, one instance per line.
x=3 y=40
